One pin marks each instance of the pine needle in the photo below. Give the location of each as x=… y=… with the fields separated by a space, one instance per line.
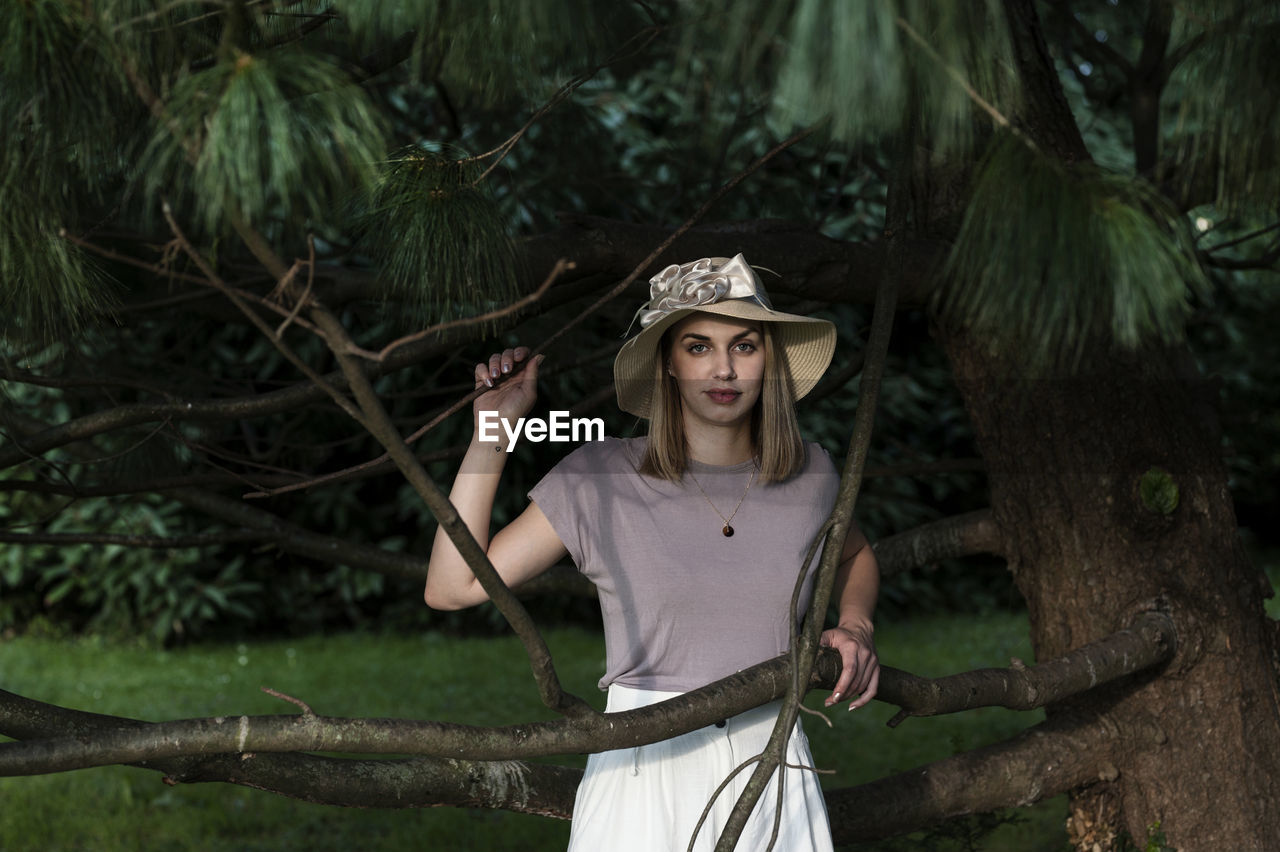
x=48 y=288
x=280 y=137
x=1050 y=259
x=494 y=48
x=950 y=59
x=439 y=239
x=1229 y=127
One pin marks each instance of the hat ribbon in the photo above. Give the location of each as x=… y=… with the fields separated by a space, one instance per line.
x=688 y=285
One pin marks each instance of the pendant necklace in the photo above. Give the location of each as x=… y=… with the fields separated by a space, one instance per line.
x=728 y=527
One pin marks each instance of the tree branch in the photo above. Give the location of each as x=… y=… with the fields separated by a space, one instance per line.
x=376 y=420
x=117 y=740
x=298 y=540
x=804 y=647
x=153 y=541
x=960 y=535
x=539 y=788
x=1051 y=758
x=1149 y=641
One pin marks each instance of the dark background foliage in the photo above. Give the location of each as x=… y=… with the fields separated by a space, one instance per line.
x=645 y=140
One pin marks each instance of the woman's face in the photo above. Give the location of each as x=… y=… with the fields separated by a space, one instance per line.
x=718 y=364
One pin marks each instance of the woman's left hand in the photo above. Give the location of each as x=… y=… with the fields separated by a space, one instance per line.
x=860 y=673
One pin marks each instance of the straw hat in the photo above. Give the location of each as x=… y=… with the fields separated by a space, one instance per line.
x=725 y=287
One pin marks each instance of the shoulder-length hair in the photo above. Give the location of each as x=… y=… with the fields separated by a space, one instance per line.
x=774 y=429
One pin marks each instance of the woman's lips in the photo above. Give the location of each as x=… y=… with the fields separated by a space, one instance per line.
x=724 y=396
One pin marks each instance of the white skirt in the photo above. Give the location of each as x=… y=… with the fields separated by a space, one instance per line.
x=650 y=798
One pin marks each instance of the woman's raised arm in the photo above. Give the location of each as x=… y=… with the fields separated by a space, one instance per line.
x=528 y=545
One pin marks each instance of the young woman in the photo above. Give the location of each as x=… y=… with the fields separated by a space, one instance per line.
x=694 y=536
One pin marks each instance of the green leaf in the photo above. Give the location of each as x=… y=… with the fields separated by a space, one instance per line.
x=1158 y=491
x=1052 y=258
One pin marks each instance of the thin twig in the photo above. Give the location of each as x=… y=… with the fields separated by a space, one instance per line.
x=306 y=708
x=306 y=293
x=213 y=278
x=561 y=266
x=644 y=37
x=158 y=542
x=1249 y=236
x=804 y=649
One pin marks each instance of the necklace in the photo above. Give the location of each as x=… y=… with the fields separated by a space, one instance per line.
x=728 y=527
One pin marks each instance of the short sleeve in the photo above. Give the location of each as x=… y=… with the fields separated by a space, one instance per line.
x=557 y=496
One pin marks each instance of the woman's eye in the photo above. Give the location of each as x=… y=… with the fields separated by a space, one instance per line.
x=746 y=346
x=698 y=347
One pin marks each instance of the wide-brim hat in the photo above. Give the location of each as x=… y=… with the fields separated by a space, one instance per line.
x=726 y=287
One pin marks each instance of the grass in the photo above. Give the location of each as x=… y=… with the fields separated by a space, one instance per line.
x=477 y=681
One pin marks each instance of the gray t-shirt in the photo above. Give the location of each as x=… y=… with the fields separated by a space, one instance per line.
x=683 y=604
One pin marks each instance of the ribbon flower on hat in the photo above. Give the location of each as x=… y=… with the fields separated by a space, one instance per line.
x=688 y=285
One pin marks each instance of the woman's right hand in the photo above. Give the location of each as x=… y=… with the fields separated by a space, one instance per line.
x=513 y=398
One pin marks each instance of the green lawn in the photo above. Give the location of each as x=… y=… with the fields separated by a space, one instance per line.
x=478 y=681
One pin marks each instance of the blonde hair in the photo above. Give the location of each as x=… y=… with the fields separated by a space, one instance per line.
x=774 y=429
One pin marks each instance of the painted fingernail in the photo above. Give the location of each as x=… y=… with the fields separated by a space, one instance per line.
x=488 y=381
x=506 y=368
x=835 y=696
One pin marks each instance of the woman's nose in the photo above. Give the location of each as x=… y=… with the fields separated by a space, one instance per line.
x=724 y=367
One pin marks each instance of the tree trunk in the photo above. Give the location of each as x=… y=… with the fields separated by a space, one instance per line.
x=1065 y=458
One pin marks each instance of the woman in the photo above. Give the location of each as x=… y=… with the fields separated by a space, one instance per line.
x=693 y=536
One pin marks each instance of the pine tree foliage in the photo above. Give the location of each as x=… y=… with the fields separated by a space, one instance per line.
x=1228 y=121
x=940 y=58
x=497 y=47
x=283 y=135
x=58 y=96
x=48 y=288
x=438 y=238
x=1051 y=259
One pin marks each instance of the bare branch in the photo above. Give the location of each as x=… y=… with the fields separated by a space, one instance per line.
x=417 y=783
x=242 y=734
x=1245 y=238
x=804 y=646
x=1148 y=642
x=153 y=541
x=960 y=535
x=292 y=538
x=139 y=486
x=630 y=48
x=116 y=740
x=282 y=275
x=1051 y=758
x=378 y=422
x=558 y=268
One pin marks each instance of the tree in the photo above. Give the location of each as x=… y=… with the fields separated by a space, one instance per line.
x=185 y=153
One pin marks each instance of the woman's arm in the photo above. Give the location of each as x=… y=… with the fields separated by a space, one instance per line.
x=856 y=588
x=528 y=545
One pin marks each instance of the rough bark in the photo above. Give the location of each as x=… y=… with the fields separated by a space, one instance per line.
x=1065 y=457
x=961 y=535
x=1063 y=753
